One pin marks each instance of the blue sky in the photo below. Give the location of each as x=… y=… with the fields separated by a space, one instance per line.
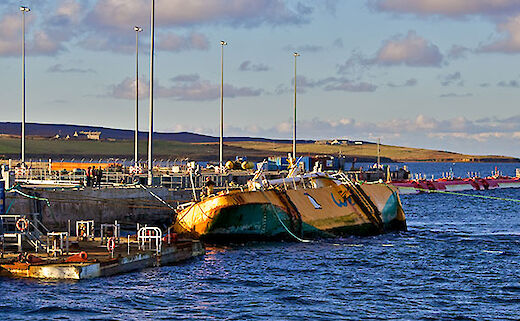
x=439 y=74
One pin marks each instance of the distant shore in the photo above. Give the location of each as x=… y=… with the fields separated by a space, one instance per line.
x=44 y=147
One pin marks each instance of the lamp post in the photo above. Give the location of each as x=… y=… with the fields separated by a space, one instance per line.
x=294 y=116
x=150 y=114
x=23 y=10
x=136 y=138
x=221 y=142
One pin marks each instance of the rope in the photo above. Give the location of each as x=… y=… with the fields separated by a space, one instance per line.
x=157 y=197
x=282 y=223
x=33 y=197
x=9 y=207
x=463 y=194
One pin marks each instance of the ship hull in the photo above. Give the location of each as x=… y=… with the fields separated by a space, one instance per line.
x=293 y=214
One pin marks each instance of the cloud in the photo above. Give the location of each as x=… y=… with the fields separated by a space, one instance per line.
x=328 y=84
x=39 y=43
x=46 y=34
x=409 y=83
x=186 y=78
x=510 y=40
x=249 y=66
x=452 y=79
x=458 y=52
x=313 y=48
x=420 y=125
x=60 y=68
x=348 y=85
x=410 y=50
x=118 y=14
x=188 y=88
x=175 y=43
x=510 y=84
x=449 y=8
x=455 y=95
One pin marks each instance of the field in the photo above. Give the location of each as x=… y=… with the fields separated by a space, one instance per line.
x=395 y=153
x=41 y=148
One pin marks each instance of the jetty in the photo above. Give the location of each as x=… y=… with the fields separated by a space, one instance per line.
x=29 y=250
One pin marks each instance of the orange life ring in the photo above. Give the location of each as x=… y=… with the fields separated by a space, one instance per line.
x=22 y=224
x=111 y=244
x=83 y=255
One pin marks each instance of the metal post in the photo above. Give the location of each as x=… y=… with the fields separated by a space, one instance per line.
x=221 y=141
x=294 y=116
x=150 y=116
x=136 y=138
x=378 y=153
x=24 y=10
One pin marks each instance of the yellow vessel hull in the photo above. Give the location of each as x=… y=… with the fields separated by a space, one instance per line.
x=266 y=214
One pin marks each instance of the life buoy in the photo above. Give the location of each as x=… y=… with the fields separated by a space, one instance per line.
x=111 y=244
x=83 y=255
x=22 y=224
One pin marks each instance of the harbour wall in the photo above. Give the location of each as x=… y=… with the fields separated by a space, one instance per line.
x=105 y=205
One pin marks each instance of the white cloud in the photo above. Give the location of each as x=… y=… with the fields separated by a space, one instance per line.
x=452 y=8
x=482 y=136
x=119 y=14
x=510 y=42
x=184 y=88
x=411 y=50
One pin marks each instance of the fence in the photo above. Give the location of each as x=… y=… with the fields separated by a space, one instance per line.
x=118 y=177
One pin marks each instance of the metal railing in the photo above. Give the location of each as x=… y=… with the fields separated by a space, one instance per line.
x=113 y=177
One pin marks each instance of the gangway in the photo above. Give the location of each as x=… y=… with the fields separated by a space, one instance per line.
x=18 y=229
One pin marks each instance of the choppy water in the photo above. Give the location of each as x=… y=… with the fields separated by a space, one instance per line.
x=458 y=261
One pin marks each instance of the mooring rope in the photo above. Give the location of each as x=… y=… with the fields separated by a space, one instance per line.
x=462 y=194
x=157 y=197
x=282 y=223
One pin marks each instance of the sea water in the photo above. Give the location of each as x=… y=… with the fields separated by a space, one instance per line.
x=459 y=260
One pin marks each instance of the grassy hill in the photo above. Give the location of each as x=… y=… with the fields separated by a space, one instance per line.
x=396 y=153
x=37 y=147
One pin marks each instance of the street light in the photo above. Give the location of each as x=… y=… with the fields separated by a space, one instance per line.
x=23 y=10
x=136 y=138
x=294 y=116
x=150 y=114
x=221 y=143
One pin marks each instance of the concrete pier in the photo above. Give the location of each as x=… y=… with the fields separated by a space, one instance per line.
x=97 y=262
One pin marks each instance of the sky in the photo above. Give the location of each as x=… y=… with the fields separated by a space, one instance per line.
x=440 y=74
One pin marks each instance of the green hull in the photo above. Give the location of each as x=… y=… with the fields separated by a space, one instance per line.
x=259 y=222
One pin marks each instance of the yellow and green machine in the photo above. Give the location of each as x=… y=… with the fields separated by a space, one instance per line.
x=301 y=207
